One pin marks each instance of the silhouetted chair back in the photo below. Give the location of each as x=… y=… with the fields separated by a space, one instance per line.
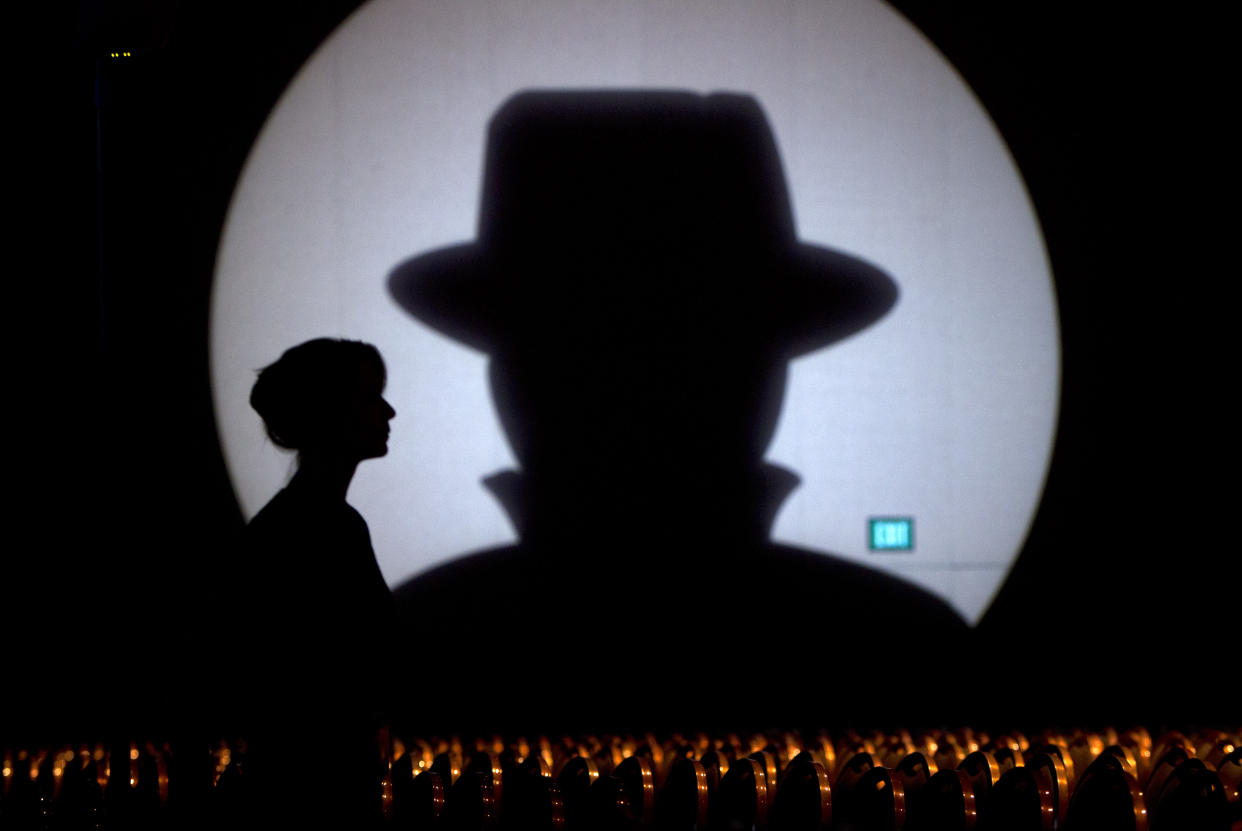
x=1018 y=802
x=1191 y=798
x=532 y=798
x=575 y=779
x=1230 y=773
x=742 y=799
x=1106 y=798
x=683 y=801
x=877 y=803
x=946 y=803
x=418 y=799
x=1052 y=777
x=608 y=806
x=804 y=801
x=982 y=769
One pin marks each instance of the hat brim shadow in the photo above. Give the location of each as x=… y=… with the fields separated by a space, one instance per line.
x=813 y=297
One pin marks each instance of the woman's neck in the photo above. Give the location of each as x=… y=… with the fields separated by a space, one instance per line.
x=324 y=476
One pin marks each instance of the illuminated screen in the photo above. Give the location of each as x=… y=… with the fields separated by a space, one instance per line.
x=942 y=412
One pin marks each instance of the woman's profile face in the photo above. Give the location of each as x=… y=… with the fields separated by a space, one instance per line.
x=367 y=417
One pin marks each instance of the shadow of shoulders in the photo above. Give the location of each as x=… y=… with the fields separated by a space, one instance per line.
x=517 y=639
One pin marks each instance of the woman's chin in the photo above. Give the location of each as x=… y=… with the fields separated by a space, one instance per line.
x=374 y=452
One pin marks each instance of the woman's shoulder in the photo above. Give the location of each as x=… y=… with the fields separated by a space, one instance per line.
x=292 y=506
x=295 y=525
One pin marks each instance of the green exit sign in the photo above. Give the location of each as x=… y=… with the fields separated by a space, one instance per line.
x=891 y=533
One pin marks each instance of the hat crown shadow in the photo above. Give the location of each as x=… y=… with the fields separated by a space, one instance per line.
x=631 y=211
x=637 y=173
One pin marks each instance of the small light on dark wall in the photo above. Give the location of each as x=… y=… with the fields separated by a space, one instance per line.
x=890 y=533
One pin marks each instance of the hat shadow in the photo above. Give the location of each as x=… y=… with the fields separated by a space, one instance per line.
x=639 y=289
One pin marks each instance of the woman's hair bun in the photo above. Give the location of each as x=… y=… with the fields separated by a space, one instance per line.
x=305 y=389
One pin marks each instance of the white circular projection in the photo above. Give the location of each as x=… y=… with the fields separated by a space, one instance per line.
x=944 y=411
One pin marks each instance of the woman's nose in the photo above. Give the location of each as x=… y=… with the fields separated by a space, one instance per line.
x=391 y=412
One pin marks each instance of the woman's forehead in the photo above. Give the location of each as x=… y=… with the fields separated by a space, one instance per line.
x=371 y=376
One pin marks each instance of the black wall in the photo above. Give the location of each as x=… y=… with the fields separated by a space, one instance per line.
x=1122 y=605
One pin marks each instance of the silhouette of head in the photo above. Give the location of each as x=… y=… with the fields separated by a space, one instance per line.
x=326 y=396
x=638 y=285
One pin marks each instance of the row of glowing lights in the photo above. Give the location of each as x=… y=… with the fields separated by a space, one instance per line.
x=625 y=750
x=223 y=756
x=1094 y=744
x=619 y=753
x=85 y=755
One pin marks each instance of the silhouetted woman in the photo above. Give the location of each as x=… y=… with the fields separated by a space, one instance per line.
x=318 y=616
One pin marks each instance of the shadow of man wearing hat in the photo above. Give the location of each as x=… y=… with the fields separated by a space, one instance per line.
x=640 y=290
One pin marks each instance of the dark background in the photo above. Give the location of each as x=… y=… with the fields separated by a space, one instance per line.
x=1122 y=606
